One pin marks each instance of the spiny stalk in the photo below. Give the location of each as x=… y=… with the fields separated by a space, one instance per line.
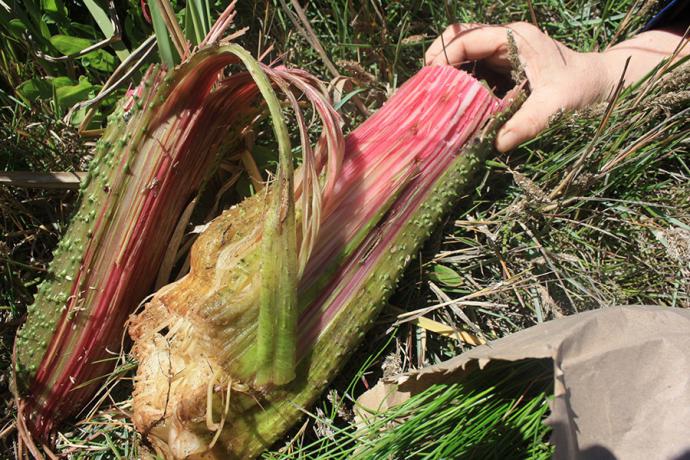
x=399 y=172
x=159 y=148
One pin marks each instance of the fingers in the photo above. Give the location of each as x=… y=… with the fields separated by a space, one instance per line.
x=531 y=119
x=445 y=39
x=559 y=77
x=463 y=42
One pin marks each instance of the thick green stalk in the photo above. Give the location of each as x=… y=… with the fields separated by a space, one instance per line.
x=276 y=334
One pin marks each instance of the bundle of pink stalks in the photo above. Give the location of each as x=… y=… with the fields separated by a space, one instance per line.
x=391 y=161
x=162 y=143
x=382 y=193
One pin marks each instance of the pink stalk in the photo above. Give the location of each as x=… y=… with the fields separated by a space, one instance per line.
x=409 y=137
x=146 y=171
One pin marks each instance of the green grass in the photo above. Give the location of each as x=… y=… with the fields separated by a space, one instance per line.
x=494 y=413
x=617 y=235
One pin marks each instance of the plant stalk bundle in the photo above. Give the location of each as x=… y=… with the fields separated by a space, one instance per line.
x=281 y=287
x=160 y=146
x=284 y=285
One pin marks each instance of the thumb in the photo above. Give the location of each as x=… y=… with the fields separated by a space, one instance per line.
x=531 y=119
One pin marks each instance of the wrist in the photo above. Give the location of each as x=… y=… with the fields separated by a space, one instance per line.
x=603 y=72
x=612 y=63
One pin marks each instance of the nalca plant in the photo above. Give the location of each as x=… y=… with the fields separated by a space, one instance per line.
x=282 y=286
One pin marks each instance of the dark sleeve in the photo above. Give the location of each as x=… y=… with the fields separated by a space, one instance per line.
x=673 y=12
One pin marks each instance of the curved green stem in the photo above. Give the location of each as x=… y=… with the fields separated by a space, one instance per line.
x=276 y=334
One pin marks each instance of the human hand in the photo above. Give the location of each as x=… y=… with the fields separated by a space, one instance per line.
x=559 y=77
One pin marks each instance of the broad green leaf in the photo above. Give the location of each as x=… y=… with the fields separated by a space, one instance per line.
x=68 y=45
x=36 y=88
x=16 y=27
x=100 y=60
x=52 y=6
x=59 y=82
x=67 y=96
x=56 y=11
x=43 y=88
x=64 y=90
x=446 y=275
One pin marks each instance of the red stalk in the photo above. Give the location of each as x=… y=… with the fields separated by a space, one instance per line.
x=145 y=174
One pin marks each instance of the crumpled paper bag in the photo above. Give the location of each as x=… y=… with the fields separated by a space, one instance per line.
x=621 y=381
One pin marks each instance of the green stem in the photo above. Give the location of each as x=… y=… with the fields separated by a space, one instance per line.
x=277 y=326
